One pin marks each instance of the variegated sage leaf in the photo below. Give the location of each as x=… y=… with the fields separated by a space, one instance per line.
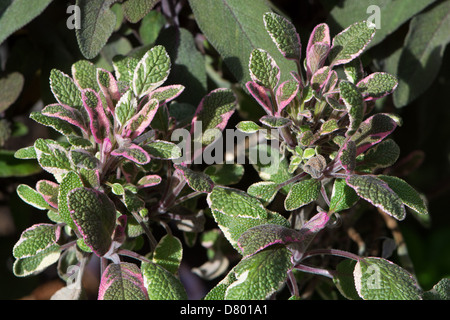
x=65 y=90
x=133 y=153
x=122 y=281
x=302 y=193
x=198 y=181
x=350 y=43
x=342 y=196
x=168 y=253
x=236 y=211
x=225 y=174
x=286 y=92
x=49 y=191
x=259 y=93
x=275 y=122
x=382 y=155
x=36 y=239
x=248 y=127
x=52 y=156
x=380 y=279
x=263 y=69
x=264 y=190
x=151 y=72
x=160 y=149
x=66 y=113
x=32 y=197
x=161 y=284
x=95 y=217
x=284 y=35
x=84 y=73
x=70 y=182
x=377 y=85
x=354 y=103
x=135 y=126
x=99 y=122
x=379 y=194
x=260 y=275
x=36 y=264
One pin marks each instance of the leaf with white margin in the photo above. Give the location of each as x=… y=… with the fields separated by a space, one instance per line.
x=168 y=253
x=149 y=181
x=409 y=196
x=259 y=93
x=161 y=284
x=378 y=193
x=275 y=122
x=350 y=43
x=70 y=181
x=160 y=149
x=264 y=190
x=284 y=35
x=32 y=197
x=152 y=71
x=122 y=281
x=318 y=48
x=126 y=107
x=57 y=124
x=109 y=87
x=95 y=217
x=260 y=275
x=133 y=153
x=302 y=193
x=377 y=85
x=354 y=102
x=65 y=90
x=66 y=113
x=286 y=92
x=49 y=191
x=382 y=155
x=235 y=211
x=83 y=159
x=248 y=127
x=380 y=279
x=347 y=156
x=135 y=126
x=36 y=264
x=84 y=74
x=263 y=69
x=167 y=93
x=52 y=156
x=36 y=239
x=198 y=181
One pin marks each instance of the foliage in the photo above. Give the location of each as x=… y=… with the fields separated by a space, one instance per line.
x=136 y=113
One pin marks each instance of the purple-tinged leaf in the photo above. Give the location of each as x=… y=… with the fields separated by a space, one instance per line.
x=259 y=93
x=347 y=156
x=109 y=87
x=66 y=113
x=132 y=152
x=95 y=217
x=308 y=232
x=84 y=74
x=49 y=191
x=316 y=56
x=122 y=281
x=126 y=108
x=286 y=92
x=372 y=131
x=81 y=158
x=284 y=35
x=149 y=181
x=275 y=122
x=36 y=239
x=350 y=43
x=213 y=112
x=167 y=93
x=99 y=125
x=139 y=122
x=319 y=79
x=120 y=235
x=198 y=181
x=264 y=69
x=377 y=85
x=321 y=33
x=354 y=70
x=378 y=193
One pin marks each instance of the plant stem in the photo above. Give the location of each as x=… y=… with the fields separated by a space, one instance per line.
x=333 y=252
x=147 y=231
x=313 y=270
x=132 y=254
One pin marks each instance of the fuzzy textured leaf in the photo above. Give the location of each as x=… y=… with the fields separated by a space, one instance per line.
x=284 y=34
x=302 y=193
x=161 y=284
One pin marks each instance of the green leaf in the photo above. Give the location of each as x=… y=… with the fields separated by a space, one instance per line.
x=95 y=217
x=36 y=239
x=225 y=174
x=409 y=196
x=344 y=281
x=235 y=33
x=151 y=71
x=263 y=69
x=84 y=74
x=260 y=275
x=124 y=67
x=347 y=156
x=126 y=107
x=36 y=264
x=57 y=124
x=168 y=253
x=52 y=156
x=161 y=284
x=198 y=181
x=161 y=149
x=12 y=166
x=284 y=35
x=380 y=279
x=275 y=122
x=97 y=25
x=150 y=26
x=135 y=10
x=378 y=193
x=422 y=53
x=247 y=127
x=342 y=196
x=219 y=291
x=302 y=193
x=32 y=197
x=65 y=90
x=440 y=291
x=265 y=191
x=382 y=155
x=16 y=14
x=350 y=43
x=212 y=114
x=70 y=182
x=11 y=85
x=393 y=14
x=377 y=85
x=122 y=281
x=235 y=212
x=355 y=105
